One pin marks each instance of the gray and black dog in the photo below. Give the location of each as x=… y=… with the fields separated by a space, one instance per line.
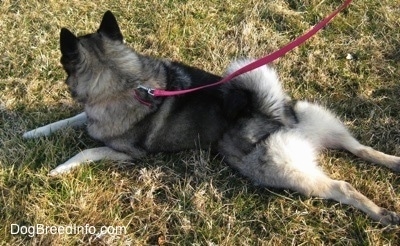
x=250 y=121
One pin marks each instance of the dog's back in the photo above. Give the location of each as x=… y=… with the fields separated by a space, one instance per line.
x=104 y=74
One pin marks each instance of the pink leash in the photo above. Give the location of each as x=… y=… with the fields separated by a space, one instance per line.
x=256 y=64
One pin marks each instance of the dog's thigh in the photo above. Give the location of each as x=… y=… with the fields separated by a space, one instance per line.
x=94 y=154
x=286 y=160
x=75 y=121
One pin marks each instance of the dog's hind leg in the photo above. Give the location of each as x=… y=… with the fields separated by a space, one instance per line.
x=325 y=130
x=369 y=154
x=345 y=193
x=287 y=160
x=89 y=155
x=75 y=121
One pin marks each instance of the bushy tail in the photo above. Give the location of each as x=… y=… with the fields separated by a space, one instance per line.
x=264 y=87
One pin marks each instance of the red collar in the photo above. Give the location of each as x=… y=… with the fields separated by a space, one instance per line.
x=137 y=96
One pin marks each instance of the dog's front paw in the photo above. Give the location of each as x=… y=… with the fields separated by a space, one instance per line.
x=30 y=134
x=64 y=168
x=59 y=171
x=38 y=132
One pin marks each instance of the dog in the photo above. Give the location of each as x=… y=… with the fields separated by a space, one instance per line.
x=251 y=122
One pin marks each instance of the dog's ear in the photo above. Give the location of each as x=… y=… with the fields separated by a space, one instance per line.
x=69 y=44
x=109 y=27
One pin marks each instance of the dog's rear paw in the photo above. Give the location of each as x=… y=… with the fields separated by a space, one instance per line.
x=394 y=164
x=389 y=218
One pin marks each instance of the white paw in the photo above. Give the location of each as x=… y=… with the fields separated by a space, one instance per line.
x=38 y=132
x=389 y=218
x=56 y=172
x=64 y=168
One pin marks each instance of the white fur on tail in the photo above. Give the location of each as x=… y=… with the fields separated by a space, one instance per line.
x=264 y=83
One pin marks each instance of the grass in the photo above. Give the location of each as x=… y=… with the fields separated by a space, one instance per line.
x=191 y=198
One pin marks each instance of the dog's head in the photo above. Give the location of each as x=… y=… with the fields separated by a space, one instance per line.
x=95 y=63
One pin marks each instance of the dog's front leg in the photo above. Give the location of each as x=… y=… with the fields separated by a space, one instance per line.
x=89 y=155
x=75 y=121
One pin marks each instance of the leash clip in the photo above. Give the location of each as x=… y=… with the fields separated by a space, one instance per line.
x=150 y=91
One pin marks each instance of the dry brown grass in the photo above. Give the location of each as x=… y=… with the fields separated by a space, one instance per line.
x=192 y=198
